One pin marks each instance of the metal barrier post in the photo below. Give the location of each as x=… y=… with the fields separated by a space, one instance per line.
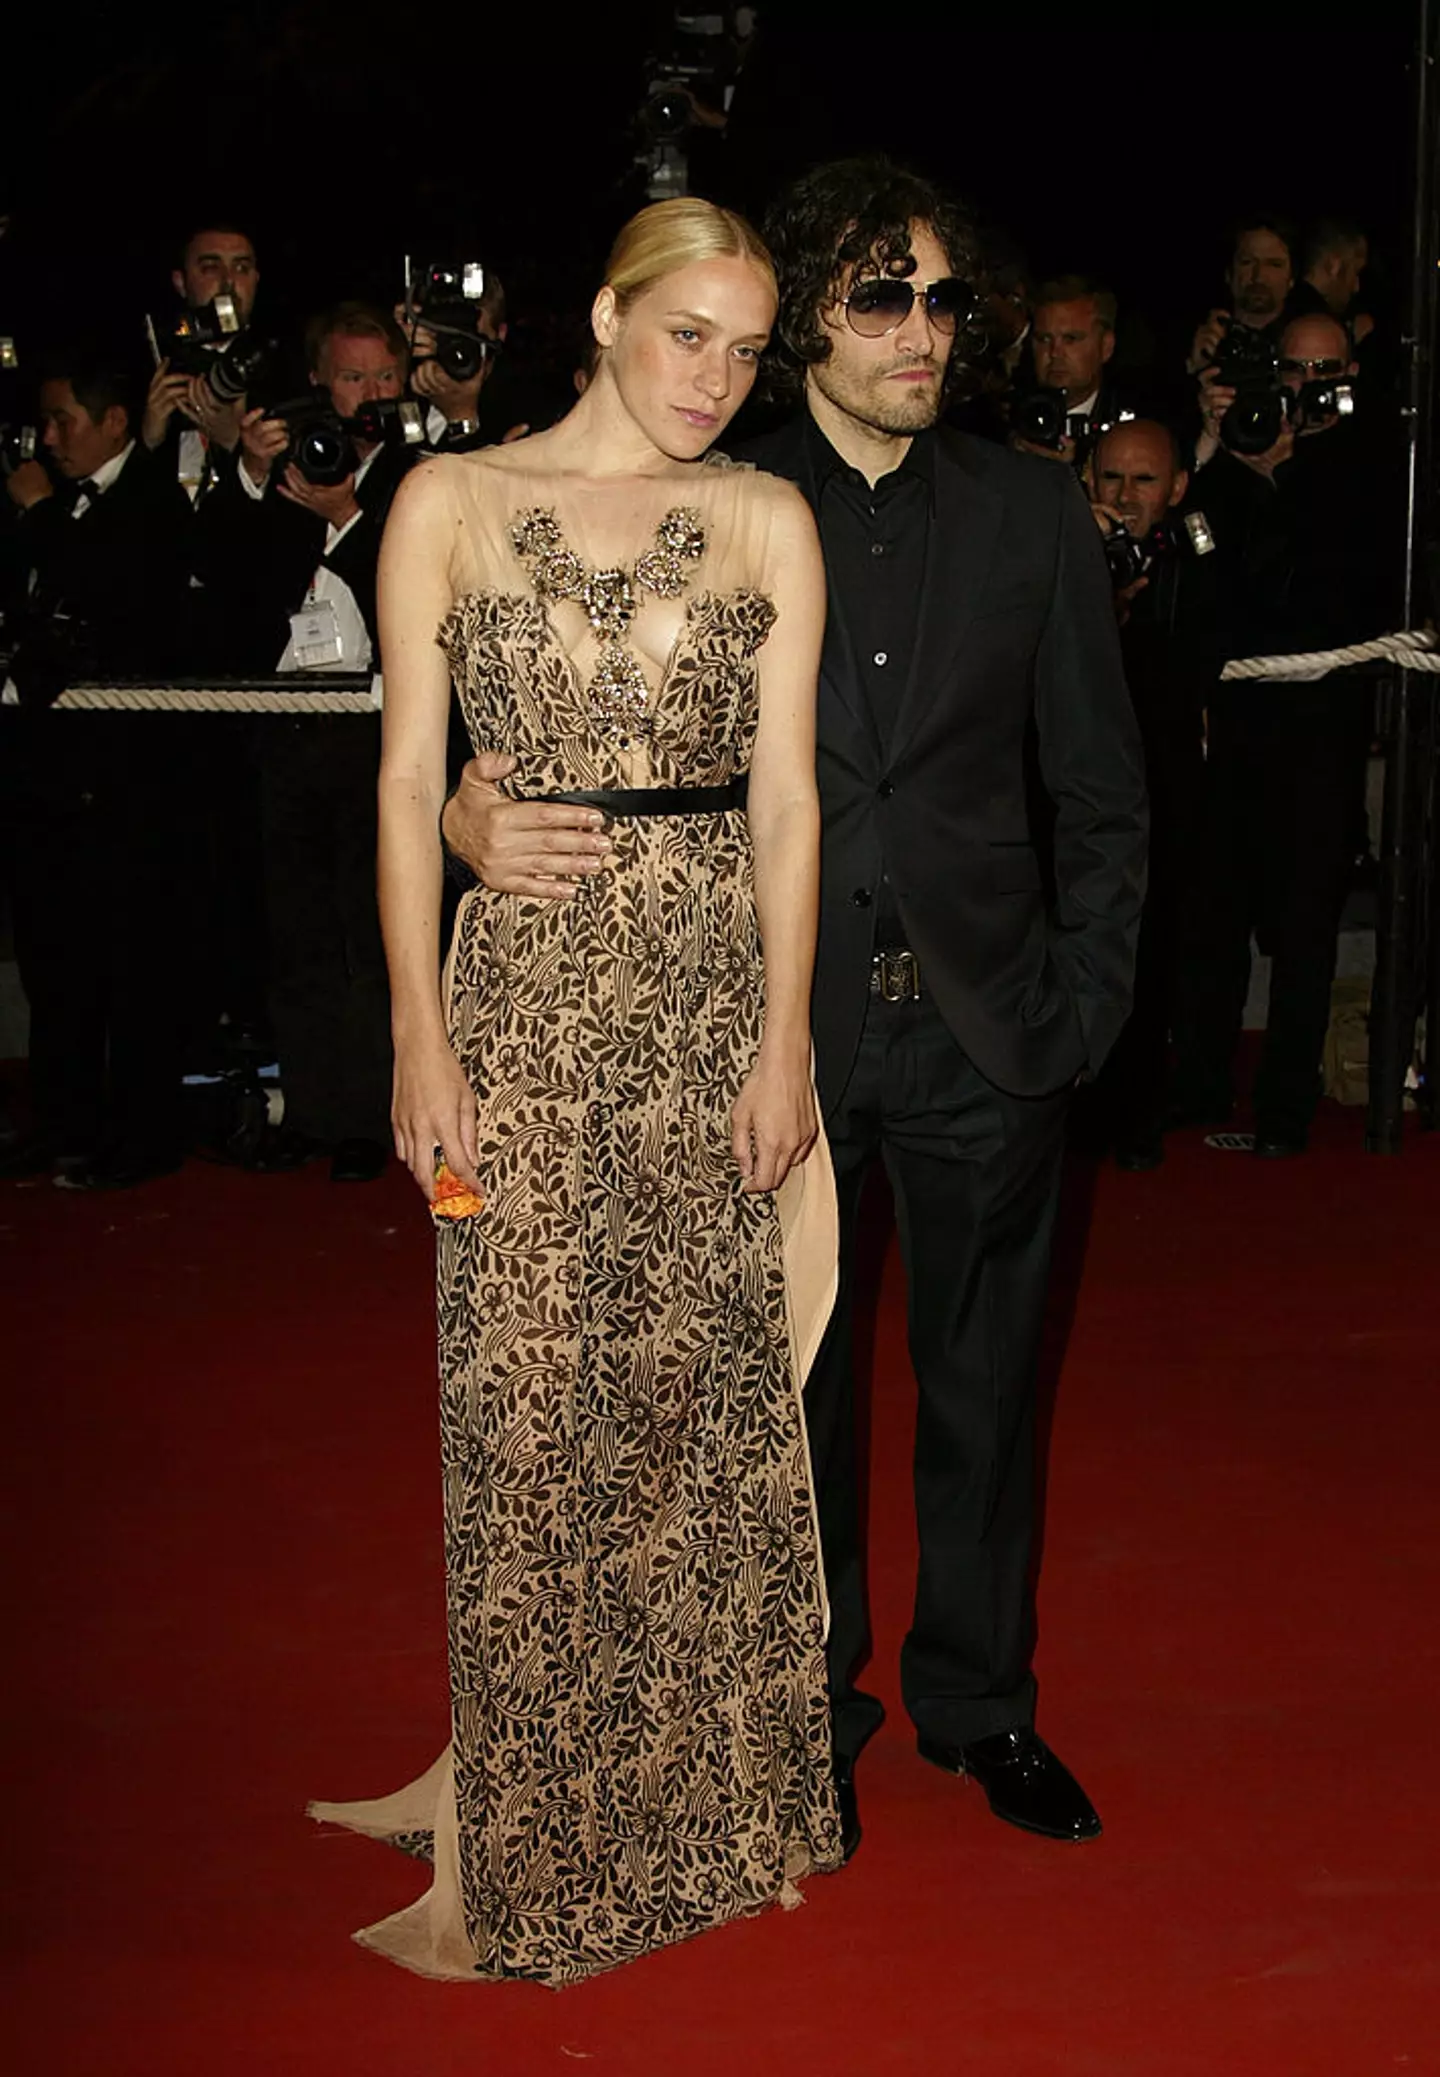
x=1392 y=997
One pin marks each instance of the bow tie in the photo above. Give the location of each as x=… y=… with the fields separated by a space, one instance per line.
x=87 y=487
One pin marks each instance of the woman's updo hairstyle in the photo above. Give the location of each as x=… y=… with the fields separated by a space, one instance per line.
x=679 y=233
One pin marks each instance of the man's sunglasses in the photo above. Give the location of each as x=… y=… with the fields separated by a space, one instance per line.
x=1325 y=370
x=881 y=305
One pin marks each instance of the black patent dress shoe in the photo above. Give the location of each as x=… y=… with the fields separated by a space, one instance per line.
x=358 y=1161
x=1280 y=1146
x=1024 y=1781
x=849 y=1809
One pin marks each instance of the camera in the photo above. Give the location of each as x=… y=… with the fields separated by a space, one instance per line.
x=447 y=300
x=1126 y=558
x=321 y=443
x=1129 y=557
x=391 y=422
x=1317 y=403
x=1247 y=362
x=18 y=444
x=212 y=342
x=1041 y=418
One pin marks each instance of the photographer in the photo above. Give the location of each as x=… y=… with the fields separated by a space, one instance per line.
x=185 y=420
x=1168 y=574
x=1287 y=758
x=1337 y=253
x=451 y=362
x=293 y=538
x=1072 y=339
x=1259 y=278
x=98 y=802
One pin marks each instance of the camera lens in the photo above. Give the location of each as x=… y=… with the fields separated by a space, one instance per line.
x=323 y=454
x=461 y=356
x=232 y=373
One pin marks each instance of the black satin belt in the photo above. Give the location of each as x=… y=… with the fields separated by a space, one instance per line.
x=659 y=800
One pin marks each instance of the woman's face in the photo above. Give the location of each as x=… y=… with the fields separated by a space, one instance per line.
x=685 y=354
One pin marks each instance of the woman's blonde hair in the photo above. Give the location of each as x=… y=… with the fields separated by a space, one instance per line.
x=678 y=233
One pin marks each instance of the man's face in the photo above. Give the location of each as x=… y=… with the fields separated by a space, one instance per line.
x=892 y=383
x=219 y=262
x=1315 y=349
x=77 y=444
x=1136 y=473
x=359 y=371
x=1261 y=277
x=1071 y=346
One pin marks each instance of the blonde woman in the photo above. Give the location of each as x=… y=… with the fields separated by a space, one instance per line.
x=641 y=1744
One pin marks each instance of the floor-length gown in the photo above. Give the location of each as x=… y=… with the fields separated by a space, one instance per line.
x=641 y=1743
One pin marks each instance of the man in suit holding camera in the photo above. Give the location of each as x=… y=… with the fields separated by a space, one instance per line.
x=290 y=541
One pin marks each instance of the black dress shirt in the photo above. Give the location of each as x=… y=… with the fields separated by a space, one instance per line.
x=875 y=539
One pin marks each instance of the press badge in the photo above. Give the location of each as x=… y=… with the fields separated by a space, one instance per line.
x=315 y=636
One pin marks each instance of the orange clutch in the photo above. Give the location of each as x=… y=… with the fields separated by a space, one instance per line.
x=453 y=1199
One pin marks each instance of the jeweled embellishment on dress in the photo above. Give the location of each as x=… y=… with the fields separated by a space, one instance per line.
x=618 y=690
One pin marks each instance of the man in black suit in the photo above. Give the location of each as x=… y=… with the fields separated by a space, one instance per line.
x=184 y=422
x=953 y=1013
x=1072 y=342
x=99 y=802
x=296 y=559
x=969 y=610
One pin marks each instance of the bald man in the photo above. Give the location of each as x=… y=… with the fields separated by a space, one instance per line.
x=1169 y=620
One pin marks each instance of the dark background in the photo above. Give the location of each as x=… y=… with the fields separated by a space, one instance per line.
x=344 y=136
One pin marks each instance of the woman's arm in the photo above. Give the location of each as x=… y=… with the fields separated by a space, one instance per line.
x=433 y=1104
x=774 y=1122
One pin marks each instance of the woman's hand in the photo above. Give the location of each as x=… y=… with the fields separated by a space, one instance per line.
x=773 y=1124
x=434 y=1106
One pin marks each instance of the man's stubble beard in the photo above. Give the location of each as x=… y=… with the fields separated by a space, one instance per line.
x=868 y=402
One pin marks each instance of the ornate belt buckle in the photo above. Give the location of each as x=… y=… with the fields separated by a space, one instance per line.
x=895 y=976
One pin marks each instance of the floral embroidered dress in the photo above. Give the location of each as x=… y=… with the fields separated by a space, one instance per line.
x=641 y=1742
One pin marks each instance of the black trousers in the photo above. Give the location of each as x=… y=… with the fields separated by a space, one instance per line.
x=975 y=1177
x=329 y=996
x=1285 y=762
x=103 y=817
x=1126 y=1103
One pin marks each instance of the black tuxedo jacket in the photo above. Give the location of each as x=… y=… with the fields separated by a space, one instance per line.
x=119 y=571
x=1016 y=637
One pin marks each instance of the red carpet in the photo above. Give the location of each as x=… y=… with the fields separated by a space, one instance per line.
x=222 y=1432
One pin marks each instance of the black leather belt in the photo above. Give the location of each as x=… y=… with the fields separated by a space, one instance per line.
x=659 y=800
x=895 y=974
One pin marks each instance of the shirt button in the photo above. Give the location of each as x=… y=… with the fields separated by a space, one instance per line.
x=860 y=899
x=885 y=789
x=877 y=547
x=881 y=656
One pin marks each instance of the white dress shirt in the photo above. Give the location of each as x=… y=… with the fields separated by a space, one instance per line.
x=100 y=482
x=355 y=647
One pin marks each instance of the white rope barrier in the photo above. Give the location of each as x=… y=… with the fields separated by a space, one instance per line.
x=1415 y=650
x=218 y=699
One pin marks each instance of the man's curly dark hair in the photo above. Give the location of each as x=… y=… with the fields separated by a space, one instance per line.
x=852 y=213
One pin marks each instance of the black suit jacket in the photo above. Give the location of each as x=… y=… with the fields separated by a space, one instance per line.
x=113 y=581
x=1016 y=636
x=256 y=557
